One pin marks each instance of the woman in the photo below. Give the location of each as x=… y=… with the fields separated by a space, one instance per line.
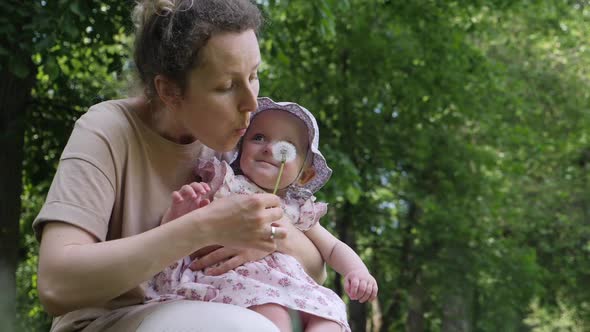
x=198 y=63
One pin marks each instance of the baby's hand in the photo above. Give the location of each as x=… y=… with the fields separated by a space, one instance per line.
x=190 y=197
x=360 y=285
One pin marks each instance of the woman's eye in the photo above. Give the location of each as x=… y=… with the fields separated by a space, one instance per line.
x=226 y=87
x=258 y=138
x=254 y=77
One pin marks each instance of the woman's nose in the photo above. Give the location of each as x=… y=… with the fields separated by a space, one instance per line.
x=248 y=99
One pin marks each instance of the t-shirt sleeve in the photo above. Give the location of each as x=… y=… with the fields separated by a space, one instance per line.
x=82 y=192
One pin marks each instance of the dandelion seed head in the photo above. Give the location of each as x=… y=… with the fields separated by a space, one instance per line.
x=283 y=151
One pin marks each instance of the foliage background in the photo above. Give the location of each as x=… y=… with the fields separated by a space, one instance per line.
x=458 y=132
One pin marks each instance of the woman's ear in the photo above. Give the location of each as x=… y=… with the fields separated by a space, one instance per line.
x=306 y=175
x=168 y=91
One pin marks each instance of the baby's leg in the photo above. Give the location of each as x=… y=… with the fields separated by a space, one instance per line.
x=279 y=315
x=320 y=324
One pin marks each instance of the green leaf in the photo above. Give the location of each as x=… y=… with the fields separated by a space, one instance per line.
x=75 y=8
x=51 y=67
x=352 y=194
x=71 y=30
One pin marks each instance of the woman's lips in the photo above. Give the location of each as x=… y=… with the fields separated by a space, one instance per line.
x=241 y=132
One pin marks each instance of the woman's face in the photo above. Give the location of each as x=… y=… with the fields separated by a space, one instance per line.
x=221 y=92
x=256 y=160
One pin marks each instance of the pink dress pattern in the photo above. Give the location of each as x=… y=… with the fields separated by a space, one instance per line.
x=277 y=278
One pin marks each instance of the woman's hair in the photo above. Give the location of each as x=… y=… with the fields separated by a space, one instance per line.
x=171 y=33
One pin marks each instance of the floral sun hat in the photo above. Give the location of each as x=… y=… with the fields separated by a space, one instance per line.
x=322 y=171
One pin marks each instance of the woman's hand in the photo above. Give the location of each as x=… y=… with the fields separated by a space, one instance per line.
x=242 y=221
x=229 y=258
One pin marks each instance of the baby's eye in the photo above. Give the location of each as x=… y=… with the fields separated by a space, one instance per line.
x=258 y=137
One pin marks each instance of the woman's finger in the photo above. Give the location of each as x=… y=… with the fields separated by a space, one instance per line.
x=212 y=258
x=204 y=251
x=273 y=214
x=229 y=264
x=277 y=232
x=269 y=200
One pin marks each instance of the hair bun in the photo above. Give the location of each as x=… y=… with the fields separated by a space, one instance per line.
x=145 y=9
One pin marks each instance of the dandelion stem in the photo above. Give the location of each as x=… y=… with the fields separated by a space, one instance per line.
x=279 y=178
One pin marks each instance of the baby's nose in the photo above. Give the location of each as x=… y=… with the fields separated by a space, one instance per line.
x=268 y=147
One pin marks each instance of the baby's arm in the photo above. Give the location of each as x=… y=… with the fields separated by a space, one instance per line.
x=190 y=197
x=359 y=284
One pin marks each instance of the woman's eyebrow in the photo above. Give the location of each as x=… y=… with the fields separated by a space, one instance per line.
x=255 y=67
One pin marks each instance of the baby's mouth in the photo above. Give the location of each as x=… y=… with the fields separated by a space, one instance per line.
x=267 y=162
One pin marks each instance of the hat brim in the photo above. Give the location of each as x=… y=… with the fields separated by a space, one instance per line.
x=322 y=171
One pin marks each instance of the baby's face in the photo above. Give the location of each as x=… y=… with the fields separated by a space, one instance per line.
x=257 y=162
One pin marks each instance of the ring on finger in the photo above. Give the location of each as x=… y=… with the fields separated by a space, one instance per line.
x=273 y=231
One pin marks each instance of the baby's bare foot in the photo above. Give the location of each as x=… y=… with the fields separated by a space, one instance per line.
x=190 y=197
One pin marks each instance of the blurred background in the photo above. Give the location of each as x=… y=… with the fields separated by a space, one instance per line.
x=458 y=132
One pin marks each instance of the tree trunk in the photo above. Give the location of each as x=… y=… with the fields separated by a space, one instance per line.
x=376 y=317
x=457 y=310
x=407 y=270
x=417 y=297
x=393 y=312
x=14 y=96
x=358 y=316
x=357 y=311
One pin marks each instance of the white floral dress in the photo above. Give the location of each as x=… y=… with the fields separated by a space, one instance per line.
x=277 y=278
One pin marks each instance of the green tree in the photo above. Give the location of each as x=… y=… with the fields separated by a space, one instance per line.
x=44 y=45
x=457 y=131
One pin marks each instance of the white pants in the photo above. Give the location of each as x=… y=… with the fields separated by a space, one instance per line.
x=195 y=316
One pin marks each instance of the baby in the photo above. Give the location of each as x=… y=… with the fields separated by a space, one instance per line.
x=277 y=282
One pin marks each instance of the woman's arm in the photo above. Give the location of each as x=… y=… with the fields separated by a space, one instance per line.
x=76 y=271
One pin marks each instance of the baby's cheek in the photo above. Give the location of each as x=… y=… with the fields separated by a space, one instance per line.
x=291 y=171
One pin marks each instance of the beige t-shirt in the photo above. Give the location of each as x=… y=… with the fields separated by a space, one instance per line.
x=114 y=180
